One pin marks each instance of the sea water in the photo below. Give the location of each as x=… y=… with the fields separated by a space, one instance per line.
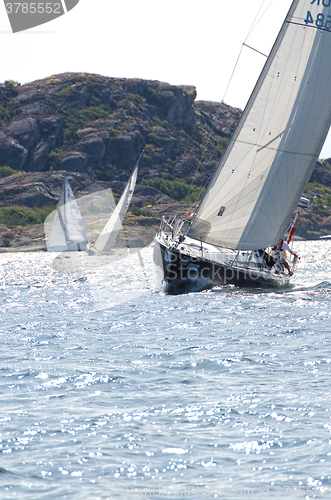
x=110 y=388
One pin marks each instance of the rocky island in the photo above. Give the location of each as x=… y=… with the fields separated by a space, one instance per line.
x=93 y=129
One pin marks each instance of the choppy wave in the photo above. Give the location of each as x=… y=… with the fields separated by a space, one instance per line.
x=111 y=388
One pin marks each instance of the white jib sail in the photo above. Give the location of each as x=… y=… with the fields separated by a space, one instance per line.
x=68 y=232
x=107 y=237
x=274 y=149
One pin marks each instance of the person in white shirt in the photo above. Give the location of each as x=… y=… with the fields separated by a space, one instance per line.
x=282 y=248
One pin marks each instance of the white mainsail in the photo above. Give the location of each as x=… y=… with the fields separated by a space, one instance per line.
x=68 y=232
x=107 y=237
x=274 y=149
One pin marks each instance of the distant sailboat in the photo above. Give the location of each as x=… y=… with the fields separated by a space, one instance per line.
x=68 y=232
x=108 y=235
x=259 y=181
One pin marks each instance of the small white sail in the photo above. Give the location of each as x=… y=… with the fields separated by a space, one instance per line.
x=68 y=232
x=274 y=149
x=107 y=237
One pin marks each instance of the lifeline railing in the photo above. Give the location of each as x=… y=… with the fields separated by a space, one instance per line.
x=169 y=225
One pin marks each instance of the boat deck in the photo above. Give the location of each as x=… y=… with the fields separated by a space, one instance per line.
x=223 y=256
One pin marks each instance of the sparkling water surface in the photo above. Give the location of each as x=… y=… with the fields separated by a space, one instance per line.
x=112 y=389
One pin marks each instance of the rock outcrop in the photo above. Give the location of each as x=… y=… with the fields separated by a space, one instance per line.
x=37 y=189
x=95 y=128
x=97 y=125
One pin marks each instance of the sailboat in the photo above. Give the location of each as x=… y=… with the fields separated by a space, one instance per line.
x=68 y=232
x=259 y=181
x=108 y=235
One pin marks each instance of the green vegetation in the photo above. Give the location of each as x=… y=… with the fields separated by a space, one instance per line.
x=10 y=89
x=322 y=193
x=106 y=173
x=55 y=158
x=124 y=103
x=113 y=104
x=7 y=91
x=154 y=139
x=23 y=216
x=137 y=99
x=221 y=143
x=178 y=190
x=113 y=131
x=153 y=97
x=319 y=212
x=326 y=163
x=326 y=200
x=163 y=123
x=77 y=119
x=138 y=211
x=147 y=160
x=7 y=171
x=323 y=213
x=95 y=208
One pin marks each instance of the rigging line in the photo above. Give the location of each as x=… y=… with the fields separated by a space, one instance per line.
x=255 y=50
x=252 y=28
x=233 y=72
x=254 y=24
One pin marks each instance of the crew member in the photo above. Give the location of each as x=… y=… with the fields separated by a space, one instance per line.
x=282 y=248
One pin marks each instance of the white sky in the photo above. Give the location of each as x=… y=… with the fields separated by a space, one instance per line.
x=182 y=42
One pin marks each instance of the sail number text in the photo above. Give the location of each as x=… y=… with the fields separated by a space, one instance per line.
x=321 y=21
x=325 y=3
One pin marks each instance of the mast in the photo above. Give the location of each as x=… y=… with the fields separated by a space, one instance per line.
x=64 y=224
